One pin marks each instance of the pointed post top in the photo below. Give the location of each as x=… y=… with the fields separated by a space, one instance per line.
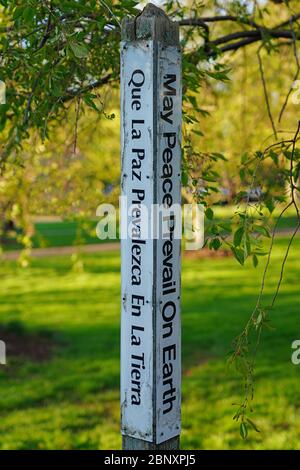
x=152 y=23
x=151 y=10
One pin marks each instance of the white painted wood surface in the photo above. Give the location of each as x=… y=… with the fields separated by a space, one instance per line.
x=137 y=418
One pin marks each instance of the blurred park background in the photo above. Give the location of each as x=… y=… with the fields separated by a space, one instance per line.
x=60 y=309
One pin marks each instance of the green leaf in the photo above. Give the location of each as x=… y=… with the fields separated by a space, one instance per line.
x=252 y=424
x=18 y=12
x=243 y=430
x=197 y=132
x=209 y=213
x=259 y=319
x=262 y=230
x=226 y=227
x=255 y=260
x=215 y=244
x=184 y=178
x=79 y=50
x=247 y=247
x=28 y=14
x=89 y=101
x=220 y=156
x=274 y=156
x=244 y=158
x=239 y=255
x=238 y=236
x=270 y=205
x=222 y=76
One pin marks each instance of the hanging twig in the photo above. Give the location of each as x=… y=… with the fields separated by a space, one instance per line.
x=295 y=78
x=76 y=123
x=242 y=340
x=262 y=74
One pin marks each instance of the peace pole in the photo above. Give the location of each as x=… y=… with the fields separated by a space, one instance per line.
x=150 y=265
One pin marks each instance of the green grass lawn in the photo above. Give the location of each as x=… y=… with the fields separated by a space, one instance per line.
x=72 y=400
x=59 y=233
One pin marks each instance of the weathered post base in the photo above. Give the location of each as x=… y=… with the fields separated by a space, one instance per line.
x=131 y=443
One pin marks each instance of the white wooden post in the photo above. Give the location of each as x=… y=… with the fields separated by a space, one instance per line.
x=151 y=153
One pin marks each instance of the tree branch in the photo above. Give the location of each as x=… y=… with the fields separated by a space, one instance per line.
x=246 y=36
x=215 y=19
x=255 y=38
x=46 y=35
x=237 y=45
x=97 y=83
x=274 y=33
